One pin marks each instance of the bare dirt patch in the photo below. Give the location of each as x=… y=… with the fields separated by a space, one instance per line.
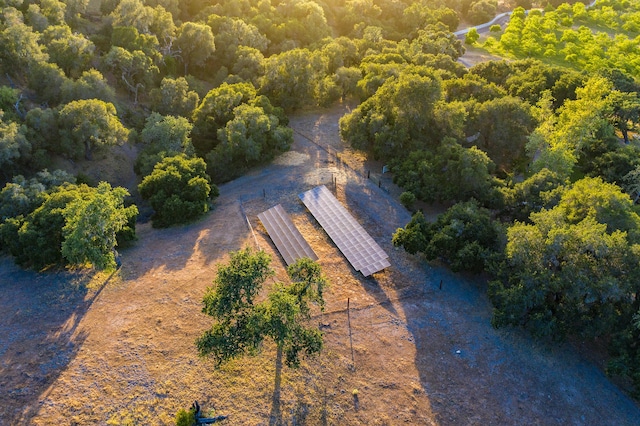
x=81 y=349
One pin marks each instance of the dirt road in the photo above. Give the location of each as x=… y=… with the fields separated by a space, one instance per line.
x=76 y=349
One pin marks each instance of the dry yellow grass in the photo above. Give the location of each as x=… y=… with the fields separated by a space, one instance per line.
x=77 y=348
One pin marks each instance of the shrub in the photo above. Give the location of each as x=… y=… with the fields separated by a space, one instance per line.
x=407 y=199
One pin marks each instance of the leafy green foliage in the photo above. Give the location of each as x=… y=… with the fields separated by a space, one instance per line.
x=196 y=44
x=70 y=51
x=68 y=223
x=90 y=85
x=91 y=226
x=626 y=353
x=290 y=78
x=241 y=324
x=407 y=199
x=185 y=418
x=472 y=36
x=503 y=126
x=89 y=124
x=388 y=131
x=178 y=189
x=19 y=45
x=451 y=173
x=236 y=129
x=572 y=271
x=249 y=138
x=540 y=190
x=21 y=196
x=464 y=236
x=173 y=97
x=13 y=145
x=163 y=137
x=576 y=36
x=136 y=69
x=47 y=81
x=216 y=110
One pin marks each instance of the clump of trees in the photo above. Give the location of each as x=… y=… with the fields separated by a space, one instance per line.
x=574 y=35
x=573 y=269
x=465 y=237
x=49 y=220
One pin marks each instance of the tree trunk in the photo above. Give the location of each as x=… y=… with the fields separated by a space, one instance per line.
x=625 y=135
x=88 y=154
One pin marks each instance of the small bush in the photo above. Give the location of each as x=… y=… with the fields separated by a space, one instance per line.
x=407 y=199
x=185 y=418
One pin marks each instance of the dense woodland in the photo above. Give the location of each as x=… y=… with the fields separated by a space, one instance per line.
x=537 y=156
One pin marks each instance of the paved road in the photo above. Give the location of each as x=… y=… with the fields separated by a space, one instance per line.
x=500 y=19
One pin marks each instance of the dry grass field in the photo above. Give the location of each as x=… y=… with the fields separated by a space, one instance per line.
x=84 y=349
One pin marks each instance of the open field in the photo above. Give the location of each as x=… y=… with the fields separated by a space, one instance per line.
x=81 y=349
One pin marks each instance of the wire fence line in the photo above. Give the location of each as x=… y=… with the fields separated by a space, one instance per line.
x=362 y=175
x=414 y=292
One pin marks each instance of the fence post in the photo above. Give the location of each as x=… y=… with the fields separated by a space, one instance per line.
x=349 y=325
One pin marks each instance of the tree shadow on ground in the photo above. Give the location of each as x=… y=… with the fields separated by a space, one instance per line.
x=275 y=417
x=464 y=363
x=39 y=333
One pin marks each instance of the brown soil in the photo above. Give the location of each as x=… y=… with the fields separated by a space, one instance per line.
x=77 y=348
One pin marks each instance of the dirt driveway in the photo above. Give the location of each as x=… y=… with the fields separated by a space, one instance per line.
x=81 y=349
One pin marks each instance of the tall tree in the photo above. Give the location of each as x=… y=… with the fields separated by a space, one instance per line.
x=290 y=77
x=241 y=324
x=13 y=144
x=464 y=236
x=19 y=48
x=71 y=51
x=196 y=44
x=136 y=69
x=74 y=224
x=89 y=124
x=163 y=136
x=173 y=97
x=252 y=136
x=91 y=226
x=215 y=110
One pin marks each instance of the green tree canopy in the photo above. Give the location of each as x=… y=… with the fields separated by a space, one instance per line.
x=400 y=116
x=136 y=69
x=90 y=85
x=503 y=126
x=74 y=224
x=92 y=224
x=13 y=145
x=19 y=47
x=173 y=97
x=215 y=110
x=86 y=125
x=196 y=44
x=71 y=51
x=464 y=236
x=163 y=136
x=572 y=271
x=252 y=136
x=178 y=189
x=290 y=78
x=241 y=324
